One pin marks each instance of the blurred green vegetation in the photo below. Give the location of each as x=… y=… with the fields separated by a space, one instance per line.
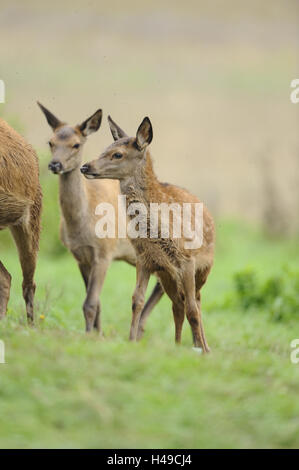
x=279 y=294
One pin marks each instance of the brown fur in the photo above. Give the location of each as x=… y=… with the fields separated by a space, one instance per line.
x=78 y=200
x=181 y=271
x=20 y=209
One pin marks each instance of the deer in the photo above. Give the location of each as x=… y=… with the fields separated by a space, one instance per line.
x=20 y=211
x=181 y=270
x=78 y=199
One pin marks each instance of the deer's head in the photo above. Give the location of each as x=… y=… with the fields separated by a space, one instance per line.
x=67 y=141
x=121 y=159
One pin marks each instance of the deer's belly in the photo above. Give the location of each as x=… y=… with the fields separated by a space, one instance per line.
x=12 y=209
x=85 y=246
x=125 y=251
x=84 y=255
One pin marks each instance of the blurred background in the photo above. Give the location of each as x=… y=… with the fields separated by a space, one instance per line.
x=214 y=77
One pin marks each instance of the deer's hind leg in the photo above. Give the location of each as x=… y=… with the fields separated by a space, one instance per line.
x=5 y=281
x=202 y=333
x=85 y=272
x=200 y=279
x=192 y=309
x=28 y=249
x=178 y=309
x=152 y=301
x=92 y=306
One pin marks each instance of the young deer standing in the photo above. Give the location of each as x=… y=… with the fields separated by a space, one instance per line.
x=182 y=271
x=20 y=210
x=78 y=201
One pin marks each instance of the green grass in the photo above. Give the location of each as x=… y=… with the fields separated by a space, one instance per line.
x=60 y=388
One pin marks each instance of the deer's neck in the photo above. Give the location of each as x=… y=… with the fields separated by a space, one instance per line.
x=143 y=185
x=72 y=195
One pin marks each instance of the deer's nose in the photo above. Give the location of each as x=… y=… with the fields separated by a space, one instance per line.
x=56 y=167
x=85 y=169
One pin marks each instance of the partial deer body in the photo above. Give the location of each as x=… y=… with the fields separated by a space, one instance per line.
x=20 y=210
x=181 y=271
x=78 y=201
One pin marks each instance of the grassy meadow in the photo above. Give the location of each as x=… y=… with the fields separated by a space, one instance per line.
x=60 y=388
x=215 y=81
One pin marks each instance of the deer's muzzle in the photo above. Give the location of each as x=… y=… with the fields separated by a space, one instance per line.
x=55 y=167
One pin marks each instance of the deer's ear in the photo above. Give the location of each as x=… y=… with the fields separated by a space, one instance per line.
x=144 y=134
x=92 y=124
x=116 y=131
x=52 y=120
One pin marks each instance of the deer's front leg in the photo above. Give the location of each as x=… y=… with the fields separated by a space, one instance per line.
x=5 y=281
x=91 y=307
x=138 y=298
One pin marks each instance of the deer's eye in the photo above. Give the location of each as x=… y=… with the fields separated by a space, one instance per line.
x=76 y=146
x=50 y=145
x=117 y=155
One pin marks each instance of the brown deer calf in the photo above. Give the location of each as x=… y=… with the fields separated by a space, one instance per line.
x=182 y=271
x=78 y=201
x=20 y=210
